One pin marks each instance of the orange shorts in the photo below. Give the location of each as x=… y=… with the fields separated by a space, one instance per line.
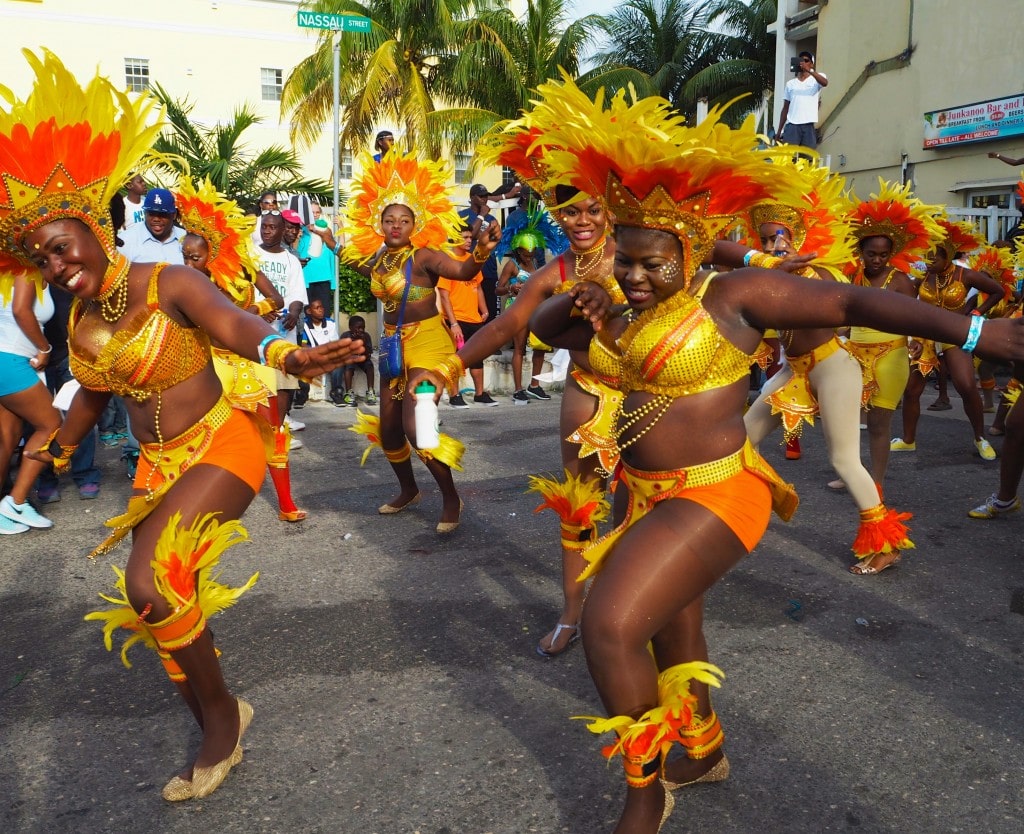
x=743 y=502
x=225 y=437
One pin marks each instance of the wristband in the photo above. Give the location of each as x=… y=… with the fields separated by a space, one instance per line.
x=49 y=349
x=478 y=259
x=748 y=256
x=762 y=260
x=973 y=334
x=262 y=349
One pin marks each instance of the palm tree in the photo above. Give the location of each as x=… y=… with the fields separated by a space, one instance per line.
x=393 y=75
x=655 y=45
x=504 y=60
x=746 y=63
x=218 y=152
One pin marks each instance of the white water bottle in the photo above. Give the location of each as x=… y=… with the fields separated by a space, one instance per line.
x=427 y=436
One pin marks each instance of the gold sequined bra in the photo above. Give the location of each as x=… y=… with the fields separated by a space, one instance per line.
x=150 y=354
x=949 y=295
x=389 y=289
x=673 y=349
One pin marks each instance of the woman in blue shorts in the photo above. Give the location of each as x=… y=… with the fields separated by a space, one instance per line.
x=24 y=353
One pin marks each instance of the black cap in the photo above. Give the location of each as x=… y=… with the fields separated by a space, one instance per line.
x=479 y=190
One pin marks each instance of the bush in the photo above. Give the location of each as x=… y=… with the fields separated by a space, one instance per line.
x=354 y=292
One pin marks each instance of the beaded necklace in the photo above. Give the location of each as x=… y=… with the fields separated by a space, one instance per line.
x=584 y=269
x=397 y=259
x=113 y=294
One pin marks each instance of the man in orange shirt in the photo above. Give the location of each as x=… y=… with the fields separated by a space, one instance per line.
x=465 y=309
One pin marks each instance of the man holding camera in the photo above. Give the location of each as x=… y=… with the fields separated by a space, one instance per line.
x=800 y=103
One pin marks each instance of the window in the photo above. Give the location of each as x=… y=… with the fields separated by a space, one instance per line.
x=136 y=74
x=272 y=82
x=462 y=168
x=346 y=164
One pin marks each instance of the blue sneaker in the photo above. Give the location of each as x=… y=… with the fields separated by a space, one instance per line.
x=24 y=514
x=10 y=528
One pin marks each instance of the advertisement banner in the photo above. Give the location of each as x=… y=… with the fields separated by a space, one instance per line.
x=979 y=122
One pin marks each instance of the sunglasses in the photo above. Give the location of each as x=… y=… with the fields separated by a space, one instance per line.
x=272 y=212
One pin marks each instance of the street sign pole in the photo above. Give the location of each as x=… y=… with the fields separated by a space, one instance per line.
x=337 y=166
x=336 y=23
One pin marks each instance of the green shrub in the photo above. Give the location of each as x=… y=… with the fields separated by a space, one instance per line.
x=354 y=292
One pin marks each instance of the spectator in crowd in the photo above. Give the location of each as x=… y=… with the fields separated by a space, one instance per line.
x=800 y=104
x=157 y=239
x=346 y=396
x=283 y=270
x=465 y=309
x=83 y=469
x=134 y=210
x=382 y=144
x=479 y=209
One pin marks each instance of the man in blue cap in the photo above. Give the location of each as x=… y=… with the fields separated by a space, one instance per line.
x=157 y=240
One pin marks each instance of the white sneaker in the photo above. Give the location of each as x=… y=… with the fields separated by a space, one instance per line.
x=295 y=444
x=293 y=424
x=24 y=514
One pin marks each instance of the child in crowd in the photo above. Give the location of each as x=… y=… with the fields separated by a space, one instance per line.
x=356 y=332
x=317 y=329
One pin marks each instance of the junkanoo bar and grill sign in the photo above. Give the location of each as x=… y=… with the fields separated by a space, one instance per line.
x=979 y=122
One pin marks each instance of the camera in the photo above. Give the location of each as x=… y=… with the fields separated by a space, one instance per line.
x=794 y=65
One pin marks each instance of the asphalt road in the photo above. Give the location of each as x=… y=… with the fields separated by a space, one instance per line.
x=396 y=688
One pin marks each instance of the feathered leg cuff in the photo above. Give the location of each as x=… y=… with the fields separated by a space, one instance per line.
x=449 y=452
x=580 y=504
x=881 y=531
x=183 y=564
x=643 y=741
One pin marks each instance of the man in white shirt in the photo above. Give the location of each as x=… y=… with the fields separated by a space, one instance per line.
x=284 y=271
x=157 y=239
x=800 y=104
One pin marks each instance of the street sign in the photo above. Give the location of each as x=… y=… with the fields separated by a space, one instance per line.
x=334 y=22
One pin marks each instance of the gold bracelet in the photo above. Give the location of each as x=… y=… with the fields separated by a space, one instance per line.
x=450 y=369
x=265 y=306
x=762 y=260
x=277 y=354
x=478 y=259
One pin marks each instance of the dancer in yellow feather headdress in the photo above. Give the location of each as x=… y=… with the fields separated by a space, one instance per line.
x=821 y=376
x=399 y=216
x=698 y=495
x=219 y=244
x=140 y=330
x=947 y=286
x=892 y=230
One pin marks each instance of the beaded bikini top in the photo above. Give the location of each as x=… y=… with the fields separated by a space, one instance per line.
x=389 y=288
x=949 y=295
x=673 y=349
x=150 y=354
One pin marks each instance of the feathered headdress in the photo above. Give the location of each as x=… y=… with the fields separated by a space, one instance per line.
x=521 y=146
x=652 y=170
x=532 y=229
x=400 y=179
x=227 y=231
x=894 y=212
x=958 y=236
x=817 y=222
x=64 y=153
x=997 y=263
